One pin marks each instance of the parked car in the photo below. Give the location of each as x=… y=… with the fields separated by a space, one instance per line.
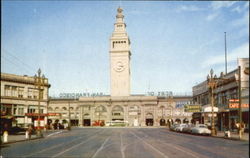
x=16 y=130
x=180 y=127
x=187 y=129
x=173 y=127
x=201 y=129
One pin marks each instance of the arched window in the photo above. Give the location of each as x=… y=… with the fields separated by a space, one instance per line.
x=100 y=108
x=57 y=108
x=50 y=108
x=64 y=108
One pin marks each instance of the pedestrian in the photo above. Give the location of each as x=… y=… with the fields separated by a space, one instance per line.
x=30 y=130
x=242 y=127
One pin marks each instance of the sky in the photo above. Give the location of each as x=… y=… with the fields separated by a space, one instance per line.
x=174 y=44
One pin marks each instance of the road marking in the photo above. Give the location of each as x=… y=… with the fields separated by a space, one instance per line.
x=54 y=133
x=102 y=146
x=122 y=147
x=161 y=153
x=175 y=146
x=54 y=146
x=76 y=145
x=178 y=148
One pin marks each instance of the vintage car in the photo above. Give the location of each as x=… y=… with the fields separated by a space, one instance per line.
x=180 y=127
x=173 y=126
x=187 y=129
x=201 y=129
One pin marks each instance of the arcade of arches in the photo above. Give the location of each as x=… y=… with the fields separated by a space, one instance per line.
x=133 y=110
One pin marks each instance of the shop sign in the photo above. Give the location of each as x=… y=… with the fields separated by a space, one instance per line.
x=54 y=114
x=160 y=94
x=192 y=108
x=35 y=114
x=236 y=105
x=78 y=95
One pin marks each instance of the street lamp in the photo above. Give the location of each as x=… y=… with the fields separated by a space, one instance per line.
x=212 y=83
x=238 y=78
x=39 y=83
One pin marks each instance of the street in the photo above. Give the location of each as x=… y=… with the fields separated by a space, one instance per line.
x=127 y=143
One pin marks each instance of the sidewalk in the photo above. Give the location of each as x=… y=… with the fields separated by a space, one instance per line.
x=21 y=137
x=234 y=136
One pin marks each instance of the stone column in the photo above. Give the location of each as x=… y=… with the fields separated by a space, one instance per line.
x=143 y=115
x=81 y=116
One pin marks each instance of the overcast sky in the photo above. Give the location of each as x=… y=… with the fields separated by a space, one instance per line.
x=173 y=44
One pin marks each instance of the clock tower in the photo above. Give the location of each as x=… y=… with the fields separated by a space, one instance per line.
x=120 y=58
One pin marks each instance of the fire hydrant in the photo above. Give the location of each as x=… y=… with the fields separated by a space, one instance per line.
x=5 y=136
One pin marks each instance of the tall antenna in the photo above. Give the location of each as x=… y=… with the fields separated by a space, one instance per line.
x=225 y=52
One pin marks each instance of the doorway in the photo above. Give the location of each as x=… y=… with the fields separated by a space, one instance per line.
x=86 y=122
x=149 y=119
x=162 y=122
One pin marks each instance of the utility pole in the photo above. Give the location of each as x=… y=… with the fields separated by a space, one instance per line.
x=240 y=114
x=225 y=52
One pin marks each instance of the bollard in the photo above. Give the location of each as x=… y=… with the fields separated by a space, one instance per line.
x=27 y=134
x=5 y=136
x=228 y=134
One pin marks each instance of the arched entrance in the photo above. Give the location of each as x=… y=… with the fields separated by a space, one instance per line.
x=86 y=120
x=185 y=120
x=162 y=122
x=117 y=113
x=178 y=120
x=149 y=119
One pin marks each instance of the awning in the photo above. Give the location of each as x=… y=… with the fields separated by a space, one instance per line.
x=7 y=117
x=208 y=108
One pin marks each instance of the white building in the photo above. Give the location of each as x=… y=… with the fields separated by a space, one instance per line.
x=19 y=99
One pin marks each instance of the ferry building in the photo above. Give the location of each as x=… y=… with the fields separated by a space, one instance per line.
x=120 y=105
x=134 y=110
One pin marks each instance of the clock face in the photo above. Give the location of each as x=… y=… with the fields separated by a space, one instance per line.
x=119 y=66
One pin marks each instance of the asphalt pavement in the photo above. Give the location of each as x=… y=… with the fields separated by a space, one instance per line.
x=127 y=143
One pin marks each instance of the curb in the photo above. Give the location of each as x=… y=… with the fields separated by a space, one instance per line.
x=223 y=137
x=22 y=140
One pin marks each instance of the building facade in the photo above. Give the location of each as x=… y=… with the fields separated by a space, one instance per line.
x=19 y=99
x=134 y=110
x=226 y=91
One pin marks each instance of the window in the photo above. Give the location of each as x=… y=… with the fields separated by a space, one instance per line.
x=14 y=91
x=7 y=90
x=14 y=110
x=21 y=111
x=30 y=93
x=31 y=110
x=20 y=92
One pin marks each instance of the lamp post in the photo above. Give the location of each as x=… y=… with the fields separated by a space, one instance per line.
x=212 y=83
x=238 y=78
x=39 y=83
